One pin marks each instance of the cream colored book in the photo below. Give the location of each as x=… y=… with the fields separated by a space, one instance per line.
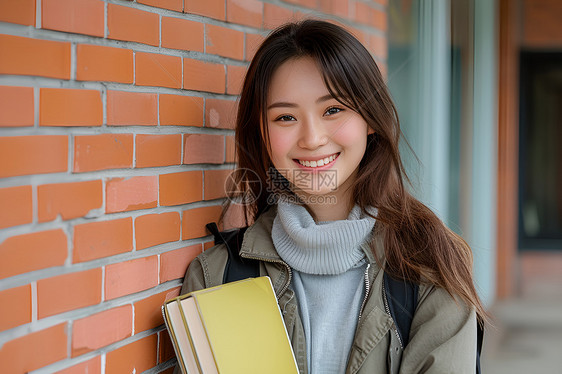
x=233 y=328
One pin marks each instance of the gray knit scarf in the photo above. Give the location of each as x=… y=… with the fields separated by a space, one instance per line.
x=331 y=247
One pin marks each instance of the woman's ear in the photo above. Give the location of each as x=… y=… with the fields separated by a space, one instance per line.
x=370 y=130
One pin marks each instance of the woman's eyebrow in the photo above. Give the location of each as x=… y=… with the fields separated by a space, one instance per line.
x=282 y=104
x=324 y=98
x=286 y=104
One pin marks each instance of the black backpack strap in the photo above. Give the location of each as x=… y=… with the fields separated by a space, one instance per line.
x=479 y=339
x=402 y=300
x=236 y=267
x=213 y=229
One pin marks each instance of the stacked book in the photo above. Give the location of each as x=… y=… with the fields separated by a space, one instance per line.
x=233 y=328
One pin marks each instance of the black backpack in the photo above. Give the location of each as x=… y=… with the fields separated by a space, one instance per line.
x=402 y=296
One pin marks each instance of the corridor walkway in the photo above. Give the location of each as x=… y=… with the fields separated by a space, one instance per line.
x=527 y=336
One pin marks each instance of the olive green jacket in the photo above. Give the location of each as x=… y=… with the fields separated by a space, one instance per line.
x=442 y=336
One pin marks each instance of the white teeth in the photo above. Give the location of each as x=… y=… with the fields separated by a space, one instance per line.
x=322 y=162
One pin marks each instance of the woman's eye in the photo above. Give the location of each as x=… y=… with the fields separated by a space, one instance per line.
x=332 y=110
x=285 y=118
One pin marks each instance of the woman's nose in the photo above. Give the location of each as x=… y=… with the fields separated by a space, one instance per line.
x=312 y=134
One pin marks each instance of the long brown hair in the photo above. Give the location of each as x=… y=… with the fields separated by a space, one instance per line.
x=417 y=245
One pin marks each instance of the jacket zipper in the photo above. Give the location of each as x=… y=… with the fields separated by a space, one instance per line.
x=367 y=289
x=387 y=309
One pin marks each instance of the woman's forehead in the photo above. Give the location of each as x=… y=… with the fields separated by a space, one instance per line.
x=296 y=77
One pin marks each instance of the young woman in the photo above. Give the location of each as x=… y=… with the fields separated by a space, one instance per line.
x=330 y=213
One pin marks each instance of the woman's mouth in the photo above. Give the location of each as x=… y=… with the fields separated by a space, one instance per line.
x=318 y=163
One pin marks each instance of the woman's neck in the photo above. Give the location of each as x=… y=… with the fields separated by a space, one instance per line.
x=330 y=207
x=327 y=212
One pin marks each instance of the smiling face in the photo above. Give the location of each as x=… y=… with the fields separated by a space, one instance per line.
x=316 y=142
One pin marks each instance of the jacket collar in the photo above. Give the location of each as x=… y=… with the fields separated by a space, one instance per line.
x=257 y=241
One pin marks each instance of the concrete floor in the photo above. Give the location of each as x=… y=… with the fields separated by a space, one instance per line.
x=527 y=336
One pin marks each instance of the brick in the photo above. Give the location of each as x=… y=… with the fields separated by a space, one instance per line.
x=203 y=149
x=133 y=358
x=181 y=188
x=224 y=41
x=21 y=12
x=235 y=79
x=125 y=278
x=182 y=34
x=181 y=110
x=379 y=19
x=17 y=206
x=208 y=244
x=70 y=107
x=28 y=252
x=68 y=292
x=158 y=150
x=378 y=46
x=132 y=108
x=194 y=221
x=16 y=106
x=23 y=52
x=125 y=23
x=68 y=200
x=35 y=350
x=176 y=5
x=253 y=42
x=148 y=314
x=274 y=15
x=16 y=307
x=126 y=194
x=245 y=12
x=153 y=69
x=299 y=16
x=102 y=239
x=335 y=7
x=229 y=149
x=173 y=264
x=166 y=349
x=365 y=14
x=91 y=366
x=101 y=63
x=220 y=113
x=305 y=3
x=100 y=152
x=101 y=329
x=210 y=8
x=75 y=16
x=214 y=181
x=203 y=76
x=154 y=229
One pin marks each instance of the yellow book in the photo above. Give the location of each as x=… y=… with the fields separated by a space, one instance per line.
x=233 y=328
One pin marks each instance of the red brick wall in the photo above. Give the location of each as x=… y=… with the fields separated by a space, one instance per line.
x=116 y=137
